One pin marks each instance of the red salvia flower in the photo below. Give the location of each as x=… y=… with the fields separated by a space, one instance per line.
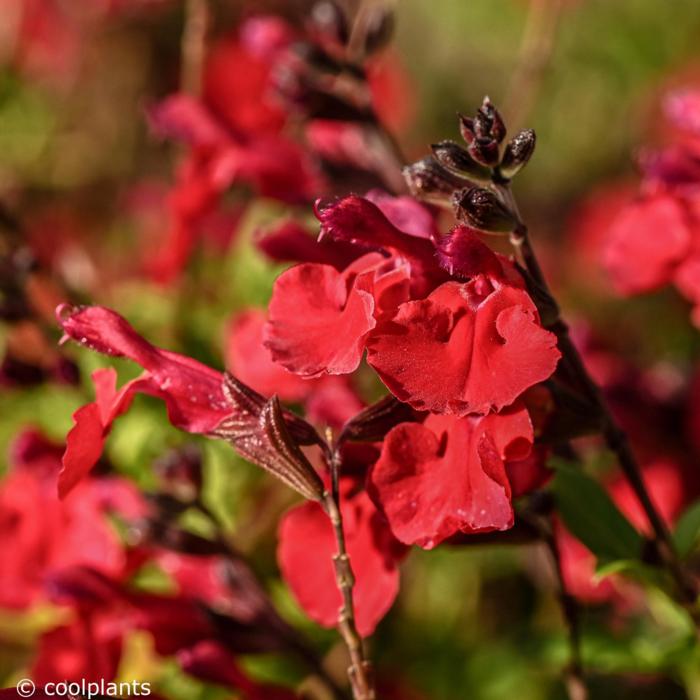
x=40 y=535
x=648 y=240
x=448 y=475
x=482 y=339
x=309 y=570
x=192 y=392
x=320 y=318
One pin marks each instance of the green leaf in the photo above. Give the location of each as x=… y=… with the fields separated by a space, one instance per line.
x=590 y=514
x=687 y=532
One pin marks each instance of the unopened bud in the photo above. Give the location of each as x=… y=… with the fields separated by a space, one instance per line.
x=488 y=122
x=453 y=157
x=484 y=210
x=328 y=18
x=517 y=153
x=485 y=151
x=427 y=179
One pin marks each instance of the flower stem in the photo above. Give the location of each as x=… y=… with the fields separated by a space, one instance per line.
x=613 y=435
x=360 y=670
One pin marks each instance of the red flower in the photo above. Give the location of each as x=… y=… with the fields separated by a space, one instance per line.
x=192 y=392
x=234 y=136
x=320 y=318
x=249 y=360
x=448 y=475
x=482 y=339
x=648 y=240
x=309 y=570
x=40 y=535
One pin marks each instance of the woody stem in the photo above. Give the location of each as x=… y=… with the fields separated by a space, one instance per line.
x=360 y=670
x=613 y=435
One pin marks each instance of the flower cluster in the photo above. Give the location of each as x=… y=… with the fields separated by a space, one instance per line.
x=450 y=330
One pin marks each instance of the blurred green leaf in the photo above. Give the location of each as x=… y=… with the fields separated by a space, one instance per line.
x=592 y=517
x=687 y=532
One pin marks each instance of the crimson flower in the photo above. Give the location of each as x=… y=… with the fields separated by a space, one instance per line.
x=655 y=240
x=192 y=392
x=449 y=475
x=309 y=570
x=41 y=536
x=481 y=335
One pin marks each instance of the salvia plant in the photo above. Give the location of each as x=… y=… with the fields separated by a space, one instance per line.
x=413 y=383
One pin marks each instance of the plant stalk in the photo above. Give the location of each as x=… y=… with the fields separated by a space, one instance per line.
x=360 y=670
x=613 y=435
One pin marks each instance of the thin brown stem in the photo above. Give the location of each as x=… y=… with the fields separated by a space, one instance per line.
x=193 y=45
x=360 y=670
x=614 y=436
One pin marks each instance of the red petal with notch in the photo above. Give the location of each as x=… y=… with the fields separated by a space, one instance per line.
x=309 y=570
x=85 y=441
x=320 y=318
x=448 y=475
x=482 y=339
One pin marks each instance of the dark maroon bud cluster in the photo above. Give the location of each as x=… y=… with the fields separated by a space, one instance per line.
x=471 y=179
x=484 y=210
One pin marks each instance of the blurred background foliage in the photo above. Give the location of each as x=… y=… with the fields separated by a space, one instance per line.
x=466 y=619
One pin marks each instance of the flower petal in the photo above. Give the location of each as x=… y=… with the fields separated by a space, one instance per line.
x=648 y=238
x=192 y=391
x=309 y=570
x=320 y=318
x=448 y=475
x=483 y=340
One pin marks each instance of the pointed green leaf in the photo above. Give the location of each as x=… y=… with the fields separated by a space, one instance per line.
x=590 y=514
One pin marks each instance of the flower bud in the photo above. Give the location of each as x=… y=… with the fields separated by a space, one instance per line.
x=484 y=210
x=485 y=151
x=328 y=18
x=453 y=157
x=427 y=179
x=466 y=128
x=488 y=122
x=517 y=153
